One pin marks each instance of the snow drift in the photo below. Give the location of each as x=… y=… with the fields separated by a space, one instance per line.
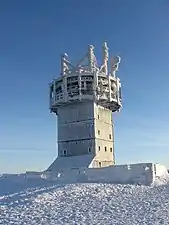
x=38 y=201
x=34 y=198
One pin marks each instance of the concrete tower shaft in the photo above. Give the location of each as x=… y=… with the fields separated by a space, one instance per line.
x=83 y=98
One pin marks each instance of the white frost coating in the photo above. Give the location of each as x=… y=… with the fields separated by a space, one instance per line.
x=161 y=175
x=160 y=170
x=162 y=180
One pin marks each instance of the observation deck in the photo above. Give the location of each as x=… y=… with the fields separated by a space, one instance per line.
x=87 y=82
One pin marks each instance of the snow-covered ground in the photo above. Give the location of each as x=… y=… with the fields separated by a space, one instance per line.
x=41 y=202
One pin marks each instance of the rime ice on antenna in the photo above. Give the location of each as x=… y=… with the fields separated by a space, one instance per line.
x=83 y=98
x=115 y=61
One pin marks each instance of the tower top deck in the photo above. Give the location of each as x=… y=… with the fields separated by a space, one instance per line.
x=86 y=80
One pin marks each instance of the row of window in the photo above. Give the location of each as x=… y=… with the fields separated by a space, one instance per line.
x=99 y=134
x=105 y=149
x=98 y=117
x=89 y=150
x=99 y=148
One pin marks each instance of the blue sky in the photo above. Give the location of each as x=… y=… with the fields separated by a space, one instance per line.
x=33 y=35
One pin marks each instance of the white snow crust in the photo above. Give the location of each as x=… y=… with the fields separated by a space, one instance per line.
x=36 y=201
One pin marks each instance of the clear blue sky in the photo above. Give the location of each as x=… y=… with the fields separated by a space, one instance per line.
x=33 y=34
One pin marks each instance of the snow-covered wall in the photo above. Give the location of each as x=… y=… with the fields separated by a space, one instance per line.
x=141 y=173
x=135 y=173
x=32 y=174
x=160 y=170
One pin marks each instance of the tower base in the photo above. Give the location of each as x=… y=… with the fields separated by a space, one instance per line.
x=74 y=162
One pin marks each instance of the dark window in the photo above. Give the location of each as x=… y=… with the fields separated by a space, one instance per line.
x=105 y=148
x=120 y=93
x=99 y=148
x=109 y=136
x=98 y=132
x=111 y=149
x=100 y=164
x=89 y=150
x=64 y=152
x=98 y=116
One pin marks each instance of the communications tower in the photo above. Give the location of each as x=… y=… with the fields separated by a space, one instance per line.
x=84 y=97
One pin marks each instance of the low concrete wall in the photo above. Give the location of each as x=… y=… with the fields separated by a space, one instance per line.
x=141 y=173
x=135 y=173
x=33 y=175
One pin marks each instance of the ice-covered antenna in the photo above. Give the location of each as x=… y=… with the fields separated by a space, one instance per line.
x=64 y=61
x=105 y=55
x=115 y=61
x=91 y=57
x=105 y=58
